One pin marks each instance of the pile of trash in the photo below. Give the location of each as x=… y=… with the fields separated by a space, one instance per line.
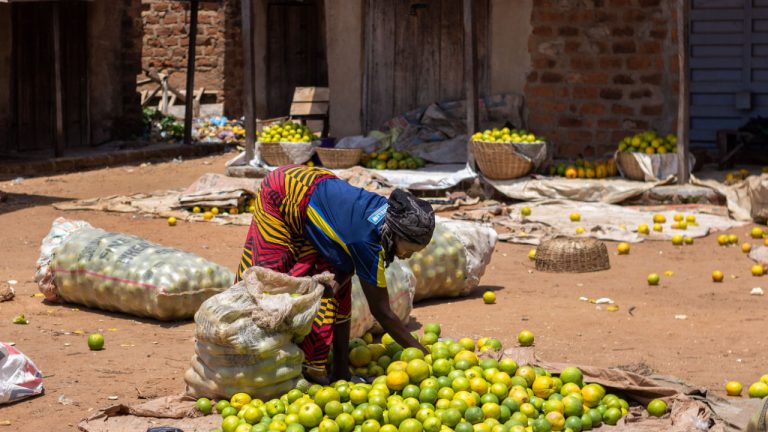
x=218 y=129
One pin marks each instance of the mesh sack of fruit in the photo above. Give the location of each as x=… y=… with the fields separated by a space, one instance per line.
x=120 y=272
x=453 y=262
x=198 y=386
x=247 y=335
x=283 y=363
x=401 y=286
x=264 y=310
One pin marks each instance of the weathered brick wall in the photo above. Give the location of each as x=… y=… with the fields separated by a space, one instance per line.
x=601 y=69
x=165 y=41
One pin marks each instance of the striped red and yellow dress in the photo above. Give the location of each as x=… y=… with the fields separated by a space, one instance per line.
x=276 y=241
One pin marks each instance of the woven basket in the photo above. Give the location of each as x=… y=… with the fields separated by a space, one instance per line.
x=572 y=255
x=272 y=153
x=500 y=161
x=339 y=158
x=629 y=166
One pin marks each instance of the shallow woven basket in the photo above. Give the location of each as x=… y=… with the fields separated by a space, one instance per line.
x=339 y=158
x=272 y=153
x=500 y=161
x=572 y=255
x=629 y=166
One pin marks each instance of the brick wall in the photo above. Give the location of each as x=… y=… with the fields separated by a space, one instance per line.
x=165 y=42
x=601 y=69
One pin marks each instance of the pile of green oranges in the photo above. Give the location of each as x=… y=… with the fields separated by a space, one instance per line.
x=390 y=159
x=288 y=131
x=507 y=135
x=450 y=389
x=649 y=142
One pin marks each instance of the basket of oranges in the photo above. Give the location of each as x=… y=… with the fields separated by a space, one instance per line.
x=504 y=154
x=648 y=144
x=274 y=139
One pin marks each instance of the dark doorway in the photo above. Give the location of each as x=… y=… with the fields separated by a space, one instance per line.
x=416 y=55
x=296 y=51
x=33 y=58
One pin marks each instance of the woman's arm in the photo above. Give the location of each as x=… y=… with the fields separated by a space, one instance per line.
x=342 y=291
x=378 y=302
x=341 y=352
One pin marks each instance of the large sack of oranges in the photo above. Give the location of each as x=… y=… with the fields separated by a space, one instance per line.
x=246 y=336
x=453 y=262
x=450 y=266
x=401 y=287
x=450 y=389
x=120 y=272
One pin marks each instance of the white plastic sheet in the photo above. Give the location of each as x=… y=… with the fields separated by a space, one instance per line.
x=19 y=377
x=601 y=221
x=431 y=177
x=613 y=190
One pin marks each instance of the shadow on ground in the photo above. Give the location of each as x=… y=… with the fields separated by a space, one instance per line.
x=10 y=202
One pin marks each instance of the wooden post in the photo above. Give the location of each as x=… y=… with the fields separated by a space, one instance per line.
x=249 y=101
x=164 y=96
x=470 y=74
x=190 y=72
x=683 y=120
x=58 y=149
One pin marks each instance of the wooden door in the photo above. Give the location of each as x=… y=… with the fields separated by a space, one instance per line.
x=728 y=55
x=33 y=55
x=415 y=55
x=296 y=51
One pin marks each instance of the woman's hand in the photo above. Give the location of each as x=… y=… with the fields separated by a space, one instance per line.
x=378 y=303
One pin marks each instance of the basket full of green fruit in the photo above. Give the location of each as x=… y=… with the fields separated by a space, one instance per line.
x=297 y=139
x=504 y=154
x=390 y=159
x=660 y=149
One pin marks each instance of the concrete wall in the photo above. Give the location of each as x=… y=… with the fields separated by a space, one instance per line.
x=344 y=39
x=510 y=61
x=5 y=74
x=114 y=50
x=104 y=92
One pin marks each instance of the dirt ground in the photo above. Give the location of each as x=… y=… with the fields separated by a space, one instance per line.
x=723 y=338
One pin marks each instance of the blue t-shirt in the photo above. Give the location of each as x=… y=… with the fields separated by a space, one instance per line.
x=344 y=224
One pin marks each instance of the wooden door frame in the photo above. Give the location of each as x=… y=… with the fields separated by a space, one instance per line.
x=483 y=68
